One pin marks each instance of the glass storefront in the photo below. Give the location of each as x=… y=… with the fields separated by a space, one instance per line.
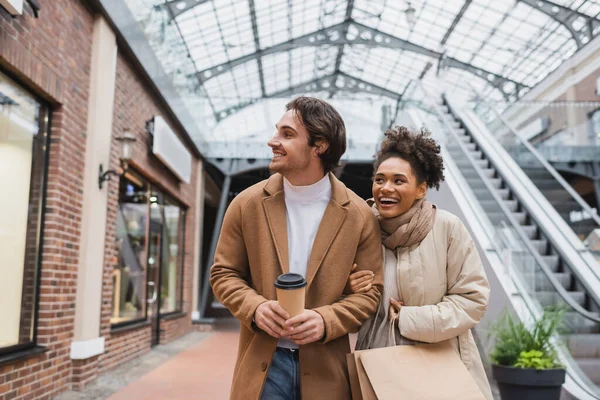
x=147 y=280
x=129 y=277
x=173 y=218
x=23 y=159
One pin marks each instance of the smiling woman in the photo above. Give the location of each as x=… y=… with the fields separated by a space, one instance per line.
x=407 y=164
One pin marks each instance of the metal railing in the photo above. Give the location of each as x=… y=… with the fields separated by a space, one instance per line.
x=509 y=216
x=525 y=154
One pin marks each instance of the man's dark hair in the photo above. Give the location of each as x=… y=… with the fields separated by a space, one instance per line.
x=420 y=150
x=322 y=122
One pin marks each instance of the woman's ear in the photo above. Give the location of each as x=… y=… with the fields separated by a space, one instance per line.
x=421 y=190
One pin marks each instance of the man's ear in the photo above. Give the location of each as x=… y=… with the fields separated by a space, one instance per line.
x=320 y=147
x=421 y=190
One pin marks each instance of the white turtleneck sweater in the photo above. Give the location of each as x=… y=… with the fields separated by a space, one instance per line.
x=305 y=206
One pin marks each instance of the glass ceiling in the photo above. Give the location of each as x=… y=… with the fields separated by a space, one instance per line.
x=227 y=56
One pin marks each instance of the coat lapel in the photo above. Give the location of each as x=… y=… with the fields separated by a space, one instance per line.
x=330 y=225
x=275 y=211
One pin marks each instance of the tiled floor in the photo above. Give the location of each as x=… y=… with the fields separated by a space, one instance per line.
x=203 y=371
x=198 y=366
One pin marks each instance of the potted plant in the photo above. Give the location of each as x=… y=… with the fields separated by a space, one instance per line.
x=524 y=362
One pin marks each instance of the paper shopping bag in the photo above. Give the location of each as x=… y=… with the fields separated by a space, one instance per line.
x=420 y=372
x=359 y=382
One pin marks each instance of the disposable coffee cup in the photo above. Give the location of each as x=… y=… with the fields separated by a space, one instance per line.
x=290 y=293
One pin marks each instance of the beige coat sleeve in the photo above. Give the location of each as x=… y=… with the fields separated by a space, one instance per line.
x=348 y=314
x=230 y=271
x=465 y=301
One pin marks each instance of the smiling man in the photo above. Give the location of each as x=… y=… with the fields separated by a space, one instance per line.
x=301 y=220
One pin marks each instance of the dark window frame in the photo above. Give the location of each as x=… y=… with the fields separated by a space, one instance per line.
x=183 y=209
x=137 y=322
x=45 y=127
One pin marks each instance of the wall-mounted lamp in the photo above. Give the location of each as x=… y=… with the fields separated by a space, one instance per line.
x=126 y=141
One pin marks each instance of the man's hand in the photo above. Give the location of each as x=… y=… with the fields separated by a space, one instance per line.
x=305 y=328
x=271 y=317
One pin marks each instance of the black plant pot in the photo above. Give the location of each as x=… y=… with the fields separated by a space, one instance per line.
x=528 y=384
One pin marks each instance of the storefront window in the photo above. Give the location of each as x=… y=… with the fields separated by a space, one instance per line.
x=23 y=152
x=172 y=257
x=129 y=275
x=150 y=229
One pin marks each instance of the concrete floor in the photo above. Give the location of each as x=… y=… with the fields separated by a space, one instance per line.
x=197 y=366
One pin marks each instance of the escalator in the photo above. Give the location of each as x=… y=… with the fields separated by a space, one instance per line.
x=531 y=234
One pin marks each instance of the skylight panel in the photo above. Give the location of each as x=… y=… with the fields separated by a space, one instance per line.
x=273 y=18
x=276 y=72
x=247 y=81
x=222 y=91
x=235 y=28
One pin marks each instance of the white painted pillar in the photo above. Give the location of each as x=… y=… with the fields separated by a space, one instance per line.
x=87 y=340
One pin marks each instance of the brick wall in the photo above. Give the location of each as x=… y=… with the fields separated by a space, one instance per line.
x=51 y=57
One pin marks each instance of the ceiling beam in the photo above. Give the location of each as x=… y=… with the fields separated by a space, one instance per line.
x=341 y=81
x=261 y=73
x=317 y=38
x=456 y=21
x=511 y=90
x=178 y=7
x=340 y=54
x=366 y=36
x=568 y=17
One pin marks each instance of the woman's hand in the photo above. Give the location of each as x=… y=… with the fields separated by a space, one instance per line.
x=394 y=310
x=359 y=281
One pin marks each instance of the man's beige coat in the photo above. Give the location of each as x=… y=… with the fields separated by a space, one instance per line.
x=253 y=251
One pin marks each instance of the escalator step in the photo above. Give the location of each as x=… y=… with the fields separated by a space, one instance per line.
x=477 y=154
x=482 y=193
x=465 y=162
x=553 y=262
x=577 y=323
x=513 y=205
x=590 y=367
x=490 y=172
x=490 y=206
x=541 y=245
x=553 y=298
x=530 y=230
x=521 y=217
x=584 y=345
x=477 y=183
x=543 y=285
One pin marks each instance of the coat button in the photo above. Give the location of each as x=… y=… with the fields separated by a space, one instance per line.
x=263 y=366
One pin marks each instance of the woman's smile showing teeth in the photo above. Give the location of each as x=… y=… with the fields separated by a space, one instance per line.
x=388 y=201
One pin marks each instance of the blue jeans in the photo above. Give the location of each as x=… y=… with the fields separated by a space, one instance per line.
x=283 y=377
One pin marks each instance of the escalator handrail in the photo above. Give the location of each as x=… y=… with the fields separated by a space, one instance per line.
x=555 y=174
x=508 y=214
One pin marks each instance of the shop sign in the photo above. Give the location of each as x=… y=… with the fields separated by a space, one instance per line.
x=171 y=151
x=14 y=7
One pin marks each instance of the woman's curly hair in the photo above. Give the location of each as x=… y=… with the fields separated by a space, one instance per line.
x=418 y=148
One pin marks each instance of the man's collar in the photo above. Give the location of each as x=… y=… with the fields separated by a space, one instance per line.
x=338 y=189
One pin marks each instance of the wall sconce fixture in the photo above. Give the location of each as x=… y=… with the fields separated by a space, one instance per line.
x=126 y=141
